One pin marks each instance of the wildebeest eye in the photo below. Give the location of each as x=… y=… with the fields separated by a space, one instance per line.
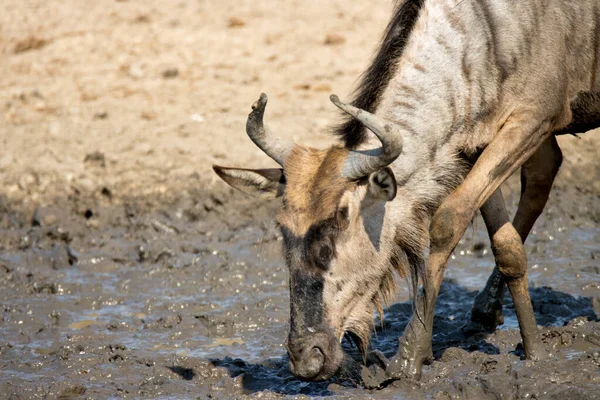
x=323 y=255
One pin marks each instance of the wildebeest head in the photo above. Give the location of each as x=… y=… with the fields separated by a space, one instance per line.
x=338 y=243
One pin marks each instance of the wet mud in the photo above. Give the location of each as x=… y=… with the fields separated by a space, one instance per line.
x=188 y=298
x=127 y=270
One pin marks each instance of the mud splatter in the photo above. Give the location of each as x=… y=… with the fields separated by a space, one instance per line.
x=178 y=301
x=127 y=271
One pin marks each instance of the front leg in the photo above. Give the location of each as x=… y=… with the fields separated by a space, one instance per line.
x=414 y=348
x=537 y=175
x=515 y=143
x=518 y=139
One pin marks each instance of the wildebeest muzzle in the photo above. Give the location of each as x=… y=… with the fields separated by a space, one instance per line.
x=314 y=356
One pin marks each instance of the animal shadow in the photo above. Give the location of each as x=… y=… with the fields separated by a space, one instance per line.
x=552 y=308
x=185 y=373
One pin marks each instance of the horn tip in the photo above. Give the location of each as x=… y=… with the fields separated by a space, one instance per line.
x=218 y=169
x=334 y=99
x=261 y=102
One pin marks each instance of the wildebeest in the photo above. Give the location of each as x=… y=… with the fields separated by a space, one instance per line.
x=460 y=95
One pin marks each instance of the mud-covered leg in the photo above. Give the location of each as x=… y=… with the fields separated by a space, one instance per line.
x=486 y=313
x=414 y=348
x=515 y=143
x=511 y=262
x=537 y=176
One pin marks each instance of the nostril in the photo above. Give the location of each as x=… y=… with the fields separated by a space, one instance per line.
x=307 y=363
x=314 y=362
x=316 y=353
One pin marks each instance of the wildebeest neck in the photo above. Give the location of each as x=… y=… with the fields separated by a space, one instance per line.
x=377 y=76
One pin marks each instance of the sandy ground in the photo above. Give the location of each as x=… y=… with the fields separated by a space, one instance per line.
x=128 y=270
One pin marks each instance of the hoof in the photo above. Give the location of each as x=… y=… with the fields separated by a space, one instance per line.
x=374 y=377
x=485 y=318
x=475 y=327
x=536 y=352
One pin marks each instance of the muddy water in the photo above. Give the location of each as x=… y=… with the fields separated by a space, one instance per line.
x=189 y=300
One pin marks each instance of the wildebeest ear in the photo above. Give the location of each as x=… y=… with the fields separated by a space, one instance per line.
x=382 y=185
x=263 y=183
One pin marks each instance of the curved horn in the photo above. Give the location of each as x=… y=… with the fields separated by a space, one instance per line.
x=362 y=163
x=276 y=148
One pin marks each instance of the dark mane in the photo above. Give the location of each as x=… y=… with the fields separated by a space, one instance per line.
x=375 y=79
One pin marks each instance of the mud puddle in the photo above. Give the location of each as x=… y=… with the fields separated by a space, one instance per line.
x=190 y=301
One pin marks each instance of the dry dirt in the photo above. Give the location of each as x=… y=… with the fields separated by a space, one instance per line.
x=127 y=270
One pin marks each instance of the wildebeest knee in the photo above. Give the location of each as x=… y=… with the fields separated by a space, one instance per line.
x=509 y=252
x=444 y=228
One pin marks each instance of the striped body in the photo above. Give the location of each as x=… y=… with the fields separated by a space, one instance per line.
x=467 y=67
x=467 y=91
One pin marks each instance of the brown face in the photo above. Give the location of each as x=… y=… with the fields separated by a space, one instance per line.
x=313 y=347
x=310 y=222
x=313 y=343
x=337 y=246
x=338 y=263
x=337 y=276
